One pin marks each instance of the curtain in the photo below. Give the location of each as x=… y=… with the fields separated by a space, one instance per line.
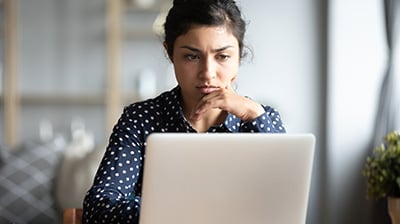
x=388 y=112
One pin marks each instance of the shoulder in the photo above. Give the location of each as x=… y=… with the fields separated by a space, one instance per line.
x=153 y=105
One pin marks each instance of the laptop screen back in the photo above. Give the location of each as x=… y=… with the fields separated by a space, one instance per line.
x=226 y=178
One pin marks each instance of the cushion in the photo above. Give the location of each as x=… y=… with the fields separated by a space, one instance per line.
x=77 y=170
x=27 y=183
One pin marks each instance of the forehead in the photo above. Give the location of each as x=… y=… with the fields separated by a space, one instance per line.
x=207 y=36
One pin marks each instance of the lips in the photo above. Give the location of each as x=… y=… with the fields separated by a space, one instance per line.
x=207 y=89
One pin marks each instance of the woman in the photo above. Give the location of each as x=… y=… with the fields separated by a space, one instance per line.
x=204 y=41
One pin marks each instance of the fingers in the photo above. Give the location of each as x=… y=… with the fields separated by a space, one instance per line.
x=205 y=104
x=229 y=101
x=216 y=100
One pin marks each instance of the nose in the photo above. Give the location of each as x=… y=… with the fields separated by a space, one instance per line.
x=208 y=69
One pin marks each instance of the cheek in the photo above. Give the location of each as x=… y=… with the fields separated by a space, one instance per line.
x=231 y=72
x=183 y=72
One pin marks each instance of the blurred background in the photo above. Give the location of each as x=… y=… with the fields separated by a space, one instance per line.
x=69 y=66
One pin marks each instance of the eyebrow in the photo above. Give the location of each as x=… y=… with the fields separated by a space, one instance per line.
x=214 y=50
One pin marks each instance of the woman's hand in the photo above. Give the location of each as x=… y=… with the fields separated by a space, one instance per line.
x=228 y=100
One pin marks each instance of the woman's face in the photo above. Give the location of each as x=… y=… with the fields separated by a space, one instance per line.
x=205 y=59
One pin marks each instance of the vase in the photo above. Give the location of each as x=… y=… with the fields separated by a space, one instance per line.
x=394 y=209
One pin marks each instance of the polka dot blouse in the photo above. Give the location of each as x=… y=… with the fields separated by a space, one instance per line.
x=116 y=191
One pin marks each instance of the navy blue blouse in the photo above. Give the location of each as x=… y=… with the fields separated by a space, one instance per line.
x=116 y=191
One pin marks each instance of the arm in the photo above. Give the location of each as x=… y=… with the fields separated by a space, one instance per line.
x=255 y=117
x=115 y=194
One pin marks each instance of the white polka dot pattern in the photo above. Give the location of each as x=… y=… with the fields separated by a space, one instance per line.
x=116 y=192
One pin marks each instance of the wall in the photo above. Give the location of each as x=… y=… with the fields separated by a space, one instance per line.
x=283 y=64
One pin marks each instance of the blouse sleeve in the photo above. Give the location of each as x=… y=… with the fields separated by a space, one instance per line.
x=268 y=122
x=115 y=194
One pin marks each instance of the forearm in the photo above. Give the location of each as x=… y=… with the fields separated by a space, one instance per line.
x=253 y=110
x=113 y=198
x=105 y=205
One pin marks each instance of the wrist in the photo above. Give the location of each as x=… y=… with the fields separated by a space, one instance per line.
x=254 y=111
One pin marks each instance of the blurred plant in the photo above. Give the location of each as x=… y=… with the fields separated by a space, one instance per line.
x=382 y=169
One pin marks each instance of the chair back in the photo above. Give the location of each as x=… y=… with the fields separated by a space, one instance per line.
x=72 y=216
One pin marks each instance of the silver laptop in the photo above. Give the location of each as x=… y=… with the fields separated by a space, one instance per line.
x=227 y=178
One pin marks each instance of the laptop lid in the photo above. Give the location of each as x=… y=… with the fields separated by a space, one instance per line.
x=226 y=178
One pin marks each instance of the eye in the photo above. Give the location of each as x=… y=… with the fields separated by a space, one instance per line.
x=223 y=57
x=191 y=57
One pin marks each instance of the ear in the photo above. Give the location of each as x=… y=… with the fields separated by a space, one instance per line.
x=166 y=50
x=233 y=79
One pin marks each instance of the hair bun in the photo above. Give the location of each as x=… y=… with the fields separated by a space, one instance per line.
x=179 y=2
x=183 y=2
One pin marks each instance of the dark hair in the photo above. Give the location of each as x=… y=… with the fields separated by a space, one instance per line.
x=184 y=14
